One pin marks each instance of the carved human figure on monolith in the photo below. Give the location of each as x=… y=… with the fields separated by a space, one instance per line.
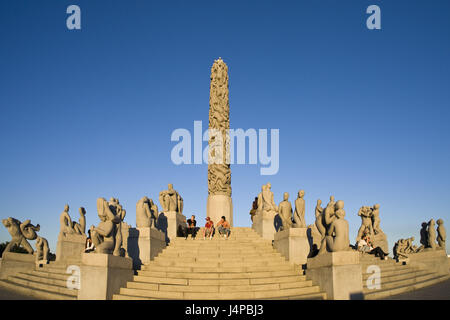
x=337 y=238
x=80 y=227
x=431 y=234
x=42 y=250
x=285 y=212
x=299 y=215
x=20 y=233
x=66 y=222
x=442 y=234
x=170 y=200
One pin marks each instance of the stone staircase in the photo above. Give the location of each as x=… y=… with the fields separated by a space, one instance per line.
x=244 y=266
x=46 y=282
x=396 y=278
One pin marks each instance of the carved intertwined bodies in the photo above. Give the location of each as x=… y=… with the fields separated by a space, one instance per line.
x=219 y=174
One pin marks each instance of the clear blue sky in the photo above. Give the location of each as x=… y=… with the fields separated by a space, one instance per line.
x=362 y=114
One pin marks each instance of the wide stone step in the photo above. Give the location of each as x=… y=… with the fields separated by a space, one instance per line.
x=52 y=275
x=214 y=276
x=47 y=280
x=35 y=293
x=394 y=274
x=380 y=294
x=217 y=282
x=155 y=267
x=214 y=288
x=205 y=251
x=223 y=263
x=389 y=268
x=249 y=295
x=42 y=286
x=215 y=255
x=401 y=283
x=220 y=245
x=218 y=260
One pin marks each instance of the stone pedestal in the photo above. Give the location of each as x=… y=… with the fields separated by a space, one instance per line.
x=173 y=221
x=264 y=226
x=293 y=245
x=70 y=247
x=218 y=206
x=144 y=244
x=339 y=274
x=429 y=259
x=102 y=275
x=16 y=262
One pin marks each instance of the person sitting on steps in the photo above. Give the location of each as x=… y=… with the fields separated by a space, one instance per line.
x=224 y=227
x=209 y=229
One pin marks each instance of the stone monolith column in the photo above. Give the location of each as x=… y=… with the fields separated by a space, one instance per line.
x=219 y=173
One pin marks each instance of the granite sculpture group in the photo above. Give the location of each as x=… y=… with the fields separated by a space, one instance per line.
x=324 y=246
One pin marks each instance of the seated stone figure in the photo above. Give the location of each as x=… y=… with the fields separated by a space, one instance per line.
x=337 y=238
x=266 y=204
x=42 y=250
x=103 y=236
x=80 y=227
x=442 y=235
x=20 y=233
x=66 y=224
x=170 y=200
x=146 y=213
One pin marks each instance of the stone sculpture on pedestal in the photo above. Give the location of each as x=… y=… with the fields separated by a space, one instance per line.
x=404 y=247
x=337 y=238
x=170 y=200
x=365 y=213
x=431 y=234
x=20 y=233
x=424 y=235
x=299 y=215
x=268 y=207
x=254 y=208
x=285 y=212
x=42 y=251
x=80 y=227
x=66 y=222
x=104 y=235
x=120 y=213
x=72 y=236
x=320 y=219
x=146 y=213
x=442 y=235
